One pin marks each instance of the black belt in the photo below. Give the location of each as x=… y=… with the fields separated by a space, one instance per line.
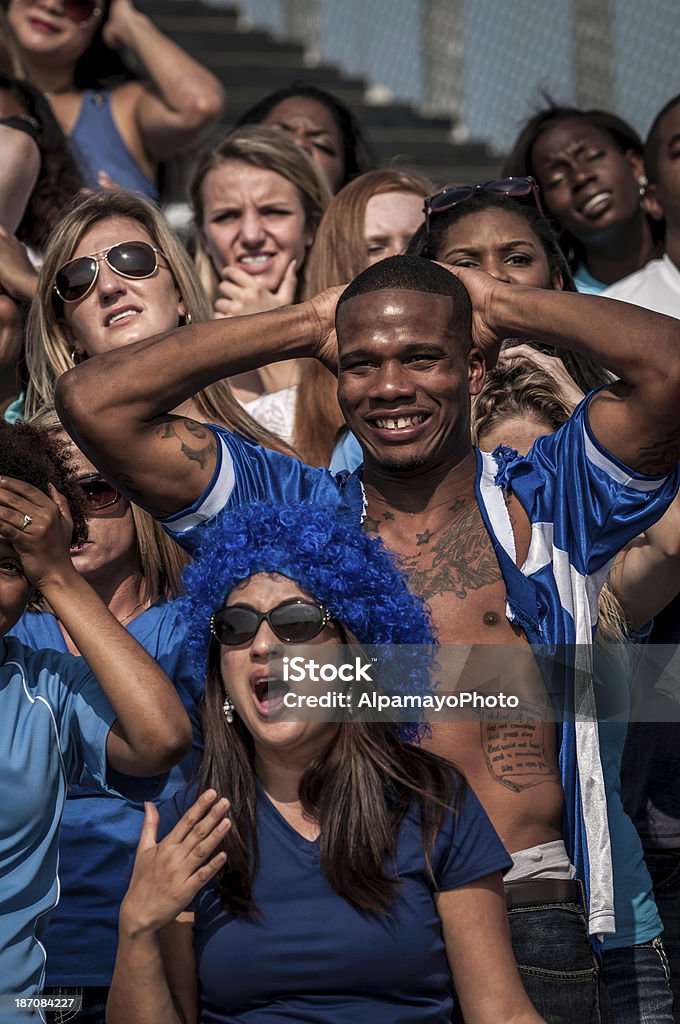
x=534 y=892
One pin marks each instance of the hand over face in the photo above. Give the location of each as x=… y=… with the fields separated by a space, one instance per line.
x=168 y=875
x=39 y=528
x=240 y=293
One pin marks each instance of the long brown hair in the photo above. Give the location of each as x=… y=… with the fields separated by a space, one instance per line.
x=359 y=789
x=266 y=148
x=337 y=256
x=48 y=350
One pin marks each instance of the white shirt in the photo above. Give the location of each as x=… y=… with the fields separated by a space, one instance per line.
x=656 y=286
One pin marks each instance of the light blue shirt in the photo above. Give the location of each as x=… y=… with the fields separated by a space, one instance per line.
x=54 y=722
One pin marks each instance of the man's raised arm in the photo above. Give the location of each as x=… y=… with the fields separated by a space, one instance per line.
x=119 y=406
x=637 y=419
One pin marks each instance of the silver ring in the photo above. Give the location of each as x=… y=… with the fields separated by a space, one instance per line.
x=27 y=521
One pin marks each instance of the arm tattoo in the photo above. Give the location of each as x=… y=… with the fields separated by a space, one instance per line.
x=202 y=451
x=660 y=456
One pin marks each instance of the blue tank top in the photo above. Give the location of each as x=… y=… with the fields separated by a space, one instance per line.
x=98 y=146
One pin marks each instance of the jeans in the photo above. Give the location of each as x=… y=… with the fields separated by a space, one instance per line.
x=637 y=983
x=93 y=1010
x=664 y=867
x=556 y=962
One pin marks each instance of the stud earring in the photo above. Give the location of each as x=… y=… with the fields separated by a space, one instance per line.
x=642 y=185
x=228 y=709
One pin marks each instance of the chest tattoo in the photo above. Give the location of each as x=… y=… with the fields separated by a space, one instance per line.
x=460 y=559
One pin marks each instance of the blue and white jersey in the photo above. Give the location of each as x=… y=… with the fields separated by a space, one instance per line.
x=54 y=723
x=583 y=505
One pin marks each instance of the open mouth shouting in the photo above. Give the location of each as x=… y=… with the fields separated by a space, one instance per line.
x=268 y=694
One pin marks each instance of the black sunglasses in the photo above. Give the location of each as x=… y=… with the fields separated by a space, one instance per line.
x=514 y=188
x=76 y=278
x=99 y=495
x=79 y=11
x=293 y=621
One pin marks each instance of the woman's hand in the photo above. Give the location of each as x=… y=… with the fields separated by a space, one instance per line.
x=118 y=28
x=167 y=875
x=240 y=293
x=39 y=528
x=18 y=277
x=551 y=365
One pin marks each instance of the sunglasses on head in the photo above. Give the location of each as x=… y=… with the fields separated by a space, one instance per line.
x=513 y=188
x=99 y=495
x=78 y=11
x=292 y=621
x=135 y=260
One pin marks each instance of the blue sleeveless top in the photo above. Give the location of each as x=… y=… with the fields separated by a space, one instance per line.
x=98 y=146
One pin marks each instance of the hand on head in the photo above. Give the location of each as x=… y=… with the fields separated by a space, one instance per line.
x=324 y=305
x=486 y=294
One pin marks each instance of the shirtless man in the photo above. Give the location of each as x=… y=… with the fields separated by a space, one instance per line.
x=509 y=551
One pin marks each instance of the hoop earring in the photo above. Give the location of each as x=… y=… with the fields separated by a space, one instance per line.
x=228 y=709
x=76 y=357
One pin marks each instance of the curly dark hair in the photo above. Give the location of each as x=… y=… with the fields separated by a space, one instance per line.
x=31 y=454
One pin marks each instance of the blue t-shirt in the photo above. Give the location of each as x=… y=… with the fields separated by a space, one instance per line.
x=55 y=721
x=584 y=506
x=100 y=830
x=347 y=454
x=585 y=283
x=310 y=956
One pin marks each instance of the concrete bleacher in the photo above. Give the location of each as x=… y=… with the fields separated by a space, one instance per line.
x=251 y=63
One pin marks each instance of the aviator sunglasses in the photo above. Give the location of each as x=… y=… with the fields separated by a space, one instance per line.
x=77 y=11
x=514 y=188
x=99 y=495
x=135 y=260
x=293 y=621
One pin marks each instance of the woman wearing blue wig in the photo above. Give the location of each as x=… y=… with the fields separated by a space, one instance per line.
x=329 y=871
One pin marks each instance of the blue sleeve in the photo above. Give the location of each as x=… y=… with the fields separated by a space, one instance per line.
x=83 y=719
x=170 y=811
x=244 y=473
x=595 y=503
x=468 y=846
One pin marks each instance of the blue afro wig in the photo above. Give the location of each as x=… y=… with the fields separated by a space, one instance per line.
x=350 y=573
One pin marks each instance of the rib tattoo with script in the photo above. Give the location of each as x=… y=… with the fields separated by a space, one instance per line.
x=515 y=752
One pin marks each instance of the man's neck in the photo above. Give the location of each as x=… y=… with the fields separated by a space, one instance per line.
x=421 y=490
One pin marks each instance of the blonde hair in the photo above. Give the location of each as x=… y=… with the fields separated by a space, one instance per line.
x=337 y=256
x=266 y=148
x=48 y=350
x=521 y=389
x=159 y=560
